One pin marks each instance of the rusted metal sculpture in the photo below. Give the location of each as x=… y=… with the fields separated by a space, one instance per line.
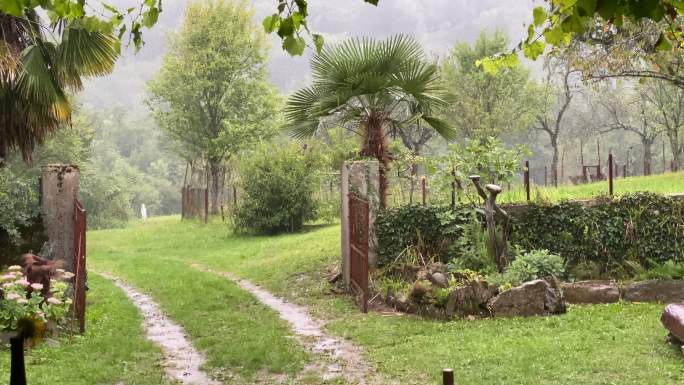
x=498 y=247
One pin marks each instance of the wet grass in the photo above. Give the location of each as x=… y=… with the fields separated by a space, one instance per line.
x=113 y=350
x=613 y=344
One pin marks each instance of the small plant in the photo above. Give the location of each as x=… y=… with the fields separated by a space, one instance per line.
x=529 y=266
x=27 y=310
x=667 y=270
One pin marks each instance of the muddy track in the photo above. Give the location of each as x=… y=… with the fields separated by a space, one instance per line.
x=333 y=356
x=182 y=361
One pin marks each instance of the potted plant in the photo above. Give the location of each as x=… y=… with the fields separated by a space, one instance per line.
x=29 y=312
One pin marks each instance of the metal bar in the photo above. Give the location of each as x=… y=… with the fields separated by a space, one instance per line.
x=448 y=377
x=610 y=174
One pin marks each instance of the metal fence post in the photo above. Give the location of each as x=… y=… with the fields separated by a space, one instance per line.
x=448 y=377
x=610 y=174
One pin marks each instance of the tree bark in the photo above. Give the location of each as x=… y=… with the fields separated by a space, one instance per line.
x=375 y=145
x=648 y=155
x=216 y=190
x=554 y=161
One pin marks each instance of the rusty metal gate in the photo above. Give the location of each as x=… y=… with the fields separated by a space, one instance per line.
x=79 y=267
x=358 y=249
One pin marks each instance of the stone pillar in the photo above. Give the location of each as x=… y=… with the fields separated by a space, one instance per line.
x=362 y=178
x=59 y=189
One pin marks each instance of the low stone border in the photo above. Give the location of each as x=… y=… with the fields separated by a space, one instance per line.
x=597 y=292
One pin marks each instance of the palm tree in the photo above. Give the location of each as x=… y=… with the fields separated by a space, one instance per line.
x=39 y=65
x=372 y=88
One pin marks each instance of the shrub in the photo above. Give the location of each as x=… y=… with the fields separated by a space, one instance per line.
x=432 y=229
x=529 y=266
x=642 y=227
x=277 y=184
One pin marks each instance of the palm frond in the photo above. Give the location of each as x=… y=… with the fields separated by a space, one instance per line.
x=83 y=53
x=440 y=126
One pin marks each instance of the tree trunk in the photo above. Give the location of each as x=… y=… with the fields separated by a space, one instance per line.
x=375 y=145
x=216 y=189
x=648 y=155
x=554 y=162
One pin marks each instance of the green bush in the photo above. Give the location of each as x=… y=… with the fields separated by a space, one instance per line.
x=644 y=228
x=277 y=184
x=431 y=229
x=532 y=265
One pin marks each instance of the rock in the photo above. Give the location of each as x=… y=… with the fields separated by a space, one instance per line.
x=469 y=300
x=591 y=292
x=439 y=279
x=655 y=291
x=538 y=297
x=437 y=267
x=673 y=320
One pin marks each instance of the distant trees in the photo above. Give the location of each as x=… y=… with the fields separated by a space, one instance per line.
x=367 y=86
x=487 y=104
x=211 y=96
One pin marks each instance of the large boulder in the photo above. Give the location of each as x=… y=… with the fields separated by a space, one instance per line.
x=655 y=291
x=470 y=299
x=439 y=279
x=591 y=292
x=538 y=297
x=673 y=320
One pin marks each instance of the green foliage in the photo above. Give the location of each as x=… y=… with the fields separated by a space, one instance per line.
x=30 y=315
x=530 y=266
x=278 y=182
x=471 y=251
x=487 y=104
x=431 y=229
x=642 y=227
x=666 y=270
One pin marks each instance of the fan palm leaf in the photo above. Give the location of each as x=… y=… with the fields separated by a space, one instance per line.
x=36 y=74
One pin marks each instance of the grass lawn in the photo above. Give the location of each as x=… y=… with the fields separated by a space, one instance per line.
x=113 y=350
x=667 y=183
x=239 y=336
x=614 y=344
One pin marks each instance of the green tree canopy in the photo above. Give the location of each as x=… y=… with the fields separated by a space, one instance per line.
x=487 y=104
x=211 y=96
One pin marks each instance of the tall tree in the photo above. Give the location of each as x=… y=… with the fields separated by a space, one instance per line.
x=487 y=104
x=666 y=106
x=211 y=96
x=628 y=110
x=556 y=101
x=366 y=85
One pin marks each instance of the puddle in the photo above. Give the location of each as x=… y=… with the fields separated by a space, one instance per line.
x=182 y=361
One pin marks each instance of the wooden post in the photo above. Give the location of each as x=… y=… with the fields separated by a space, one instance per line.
x=610 y=174
x=206 y=205
x=18 y=369
x=422 y=185
x=526 y=179
x=624 y=171
x=448 y=377
x=453 y=187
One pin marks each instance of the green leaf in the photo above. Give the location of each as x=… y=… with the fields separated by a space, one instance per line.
x=12 y=7
x=663 y=43
x=539 y=14
x=150 y=17
x=294 y=45
x=586 y=7
x=271 y=22
x=296 y=19
x=374 y=2
x=554 y=36
x=286 y=27
x=318 y=42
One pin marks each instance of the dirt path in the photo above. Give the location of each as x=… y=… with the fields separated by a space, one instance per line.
x=333 y=357
x=182 y=361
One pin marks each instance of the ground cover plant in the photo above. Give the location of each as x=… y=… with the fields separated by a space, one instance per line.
x=579 y=347
x=113 y=350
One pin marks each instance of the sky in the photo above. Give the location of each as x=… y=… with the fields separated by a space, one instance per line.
x=437 y=24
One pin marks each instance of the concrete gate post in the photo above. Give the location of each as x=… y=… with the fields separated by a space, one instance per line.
x=59 y=188
x=360 y=177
